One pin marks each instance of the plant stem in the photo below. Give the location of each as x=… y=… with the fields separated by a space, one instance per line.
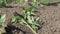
x=31 y=29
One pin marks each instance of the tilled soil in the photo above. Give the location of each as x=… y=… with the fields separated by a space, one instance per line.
x=14 y=28
x=49 y=15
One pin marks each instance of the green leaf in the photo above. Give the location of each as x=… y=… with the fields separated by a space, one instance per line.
x=2 y=19
x=46 y=1
x=21 y=1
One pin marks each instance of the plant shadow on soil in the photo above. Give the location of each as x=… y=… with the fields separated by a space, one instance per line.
x=52 y=4
x=11 y=28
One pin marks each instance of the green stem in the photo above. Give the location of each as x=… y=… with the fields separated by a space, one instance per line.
x=32 y=29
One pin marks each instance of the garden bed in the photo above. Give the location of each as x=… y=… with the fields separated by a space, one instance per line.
x=49 y=20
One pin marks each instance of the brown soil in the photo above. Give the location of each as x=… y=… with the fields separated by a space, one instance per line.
x=49 y=17
x=13 y=28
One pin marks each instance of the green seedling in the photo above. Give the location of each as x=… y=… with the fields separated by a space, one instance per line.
x=28 y=18
x=34 y=3
x=2 y=19
x=21 y=1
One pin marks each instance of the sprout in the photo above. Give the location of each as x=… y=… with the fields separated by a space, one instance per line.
x=2 y=19
x=27 y=18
